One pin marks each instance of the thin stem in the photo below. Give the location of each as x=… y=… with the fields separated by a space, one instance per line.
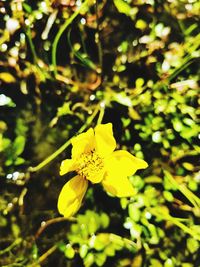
x=97 y=39
x=194 y=200
x=32 y=47
x=60 y=32
x=176 y=221
x=184 y=65
x=189 y=58
x=65 y=145
x=44 y=256
x=50 y=222
x=9 y=248
x=101 y=113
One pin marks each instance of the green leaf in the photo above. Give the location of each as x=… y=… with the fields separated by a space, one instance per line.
x=188 y=132
x=69 y=252
x=157 y=137
x=34 y=252
x=123 y=99
x=192 y=245
x=89 y=260
x=134 y=212
x=104 y=220
x=168 y=196
x=19 y=144
x=64 y=110
x=169 y=263
x=122 y=7
x=100 y=259
x=177 y=124
x=83 y=251
x=27 y=8
x=19 y=161
x=8 y=162
x=155 y=262
x=101 y=241
x=110 y=250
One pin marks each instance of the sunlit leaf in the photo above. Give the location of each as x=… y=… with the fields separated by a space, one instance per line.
x=123 y=7
x=69 y=251
x=18 y=145
x=7 y=77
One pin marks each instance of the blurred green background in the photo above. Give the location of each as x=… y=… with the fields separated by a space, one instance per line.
x=64 y=66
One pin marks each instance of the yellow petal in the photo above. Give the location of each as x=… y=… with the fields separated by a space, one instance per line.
x=71 y=195
x=118 y=166
x=66 y=166
x=105 y=141
x=118 y=186
x=83 y=143
x=96 y=176
x=123 y=163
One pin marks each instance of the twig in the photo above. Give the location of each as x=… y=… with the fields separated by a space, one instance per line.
x=50 y=222
x=44 y=256
x=9 y=248
x=64 y=146
x=97 y=39
x=60 y=32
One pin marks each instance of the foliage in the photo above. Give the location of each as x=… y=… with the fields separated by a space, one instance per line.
x=66 y=66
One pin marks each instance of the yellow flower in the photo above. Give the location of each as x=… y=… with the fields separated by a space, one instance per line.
x=94 y=160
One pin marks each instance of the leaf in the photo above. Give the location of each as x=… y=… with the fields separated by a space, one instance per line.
x=134 y=212
x=7 y=77
x=105 y=220
x=122 y=7
x=27 y=8
x=123 y=99
x=69 y=252
x=6 y=101
x=19 y=161
x=177 y=124
x=83 y=251
x=153 y=179
x=64 y=109
x=89 y=260
x=18 y=146
x=134 y=114
x=192 y=245
x=188 y=166
x=100 y=259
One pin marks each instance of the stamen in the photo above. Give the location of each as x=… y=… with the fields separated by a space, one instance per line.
x=89 y=164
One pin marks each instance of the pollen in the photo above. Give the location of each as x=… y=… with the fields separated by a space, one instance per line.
x=90 y=166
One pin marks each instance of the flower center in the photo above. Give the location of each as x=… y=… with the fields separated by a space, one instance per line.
x=91 y=167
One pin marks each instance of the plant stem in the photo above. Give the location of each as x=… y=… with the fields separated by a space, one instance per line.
x=101 y=114
x=165 y=216
x=52 y=221
x=9 y=248
x=60 y=32
x=32 y=47
x=44 y=256
x=97 y=39
x=194 y=200
x=65 y=145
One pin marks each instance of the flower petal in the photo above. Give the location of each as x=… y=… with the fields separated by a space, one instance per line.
x=118 y=186
x=83 y=143
x=71 y=195
x=118 y=166
x=96 y=176
x=123 y=163
x=66 y=166
x=105 y=141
